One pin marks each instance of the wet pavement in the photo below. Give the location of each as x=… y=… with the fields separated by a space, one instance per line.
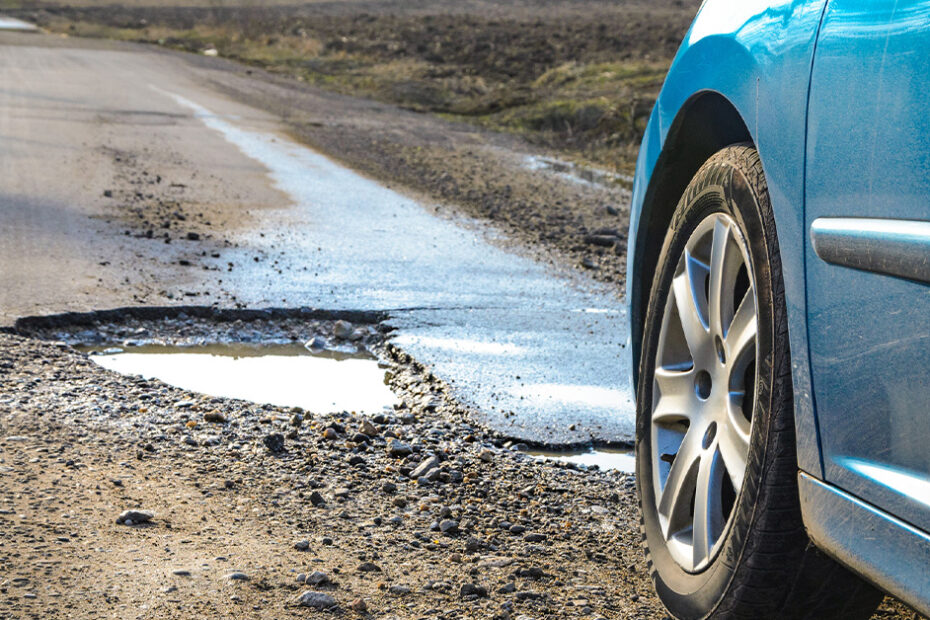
x=538 y=351
x=16 y=25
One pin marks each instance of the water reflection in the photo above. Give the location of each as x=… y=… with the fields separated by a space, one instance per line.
x=606 y=458
x=283 y=375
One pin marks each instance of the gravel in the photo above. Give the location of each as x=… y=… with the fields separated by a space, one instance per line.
x=513 y=535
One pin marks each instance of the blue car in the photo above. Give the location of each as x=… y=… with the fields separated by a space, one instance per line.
x=778 y=278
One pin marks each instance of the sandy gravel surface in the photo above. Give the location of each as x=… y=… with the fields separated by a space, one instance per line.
x=415 y=514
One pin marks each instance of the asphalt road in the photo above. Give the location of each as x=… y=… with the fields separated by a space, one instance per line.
x=127 y=179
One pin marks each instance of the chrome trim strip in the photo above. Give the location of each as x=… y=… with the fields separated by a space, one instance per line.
x=890 y=553
x=893 y=247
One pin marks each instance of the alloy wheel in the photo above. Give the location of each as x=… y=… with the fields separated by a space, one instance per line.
x=703 y=391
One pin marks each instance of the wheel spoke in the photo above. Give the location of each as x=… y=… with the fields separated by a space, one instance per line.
x=708 y=511
x=675 y=503
x=688 y=311
x=742 y=331
x=717 y=278
x=676 y=395
x=734 y=444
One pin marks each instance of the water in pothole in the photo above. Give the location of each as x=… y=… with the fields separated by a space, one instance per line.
x=283 y=375
x=605 y=458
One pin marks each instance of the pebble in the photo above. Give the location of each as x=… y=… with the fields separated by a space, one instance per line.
x=316 y=578
x=425 y=467
x=367 y=428
x=316 y=344
x=215 y=417
x=236 y=576
x=274 y=442
x=397 y=448
x=302 y=545
x=473 y=589
x=134 y=517
x=316 y=600
x=317 y=499
x=342 y=329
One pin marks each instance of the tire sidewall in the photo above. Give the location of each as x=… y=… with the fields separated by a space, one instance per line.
x=720 y=186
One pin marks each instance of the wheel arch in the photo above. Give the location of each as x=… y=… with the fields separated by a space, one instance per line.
x=706 y=123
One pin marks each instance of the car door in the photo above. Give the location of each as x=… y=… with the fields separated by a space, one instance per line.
x=867 y=194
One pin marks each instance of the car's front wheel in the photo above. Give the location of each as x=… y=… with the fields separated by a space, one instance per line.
x=716 y=462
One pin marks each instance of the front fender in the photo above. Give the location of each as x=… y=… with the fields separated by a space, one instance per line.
x=756 y=57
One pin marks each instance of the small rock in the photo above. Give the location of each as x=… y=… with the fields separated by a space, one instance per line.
x=534 y=537
x=486 y=455
x=600 y=240
x=397 y=448
x=181 y=572
x=388 y=487
x=316 y=600
x=316 y=578
x=192 y=236
x=132 y=517
x=317 y=499
x=425 y=467
x=473 y=589
x=330 y=434
x=449 y=526
x=368 y=567
x=315 y=344
x=369 y=429
x=399 y=590
x=274 y=442
x=342 y=329
x=215 y=417
x=358 y=606
x=236 y=576
x=302 y=545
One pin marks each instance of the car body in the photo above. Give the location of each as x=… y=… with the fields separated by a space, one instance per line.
x=832 y=93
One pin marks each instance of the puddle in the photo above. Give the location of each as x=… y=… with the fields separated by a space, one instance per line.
x=11 y=23
x=579 y=174
x=605 y=458
x=282 y=375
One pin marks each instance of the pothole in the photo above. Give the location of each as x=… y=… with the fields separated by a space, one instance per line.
x=617 y=459
x=285 y=375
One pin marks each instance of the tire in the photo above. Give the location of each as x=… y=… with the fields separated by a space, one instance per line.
x=747 y=554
